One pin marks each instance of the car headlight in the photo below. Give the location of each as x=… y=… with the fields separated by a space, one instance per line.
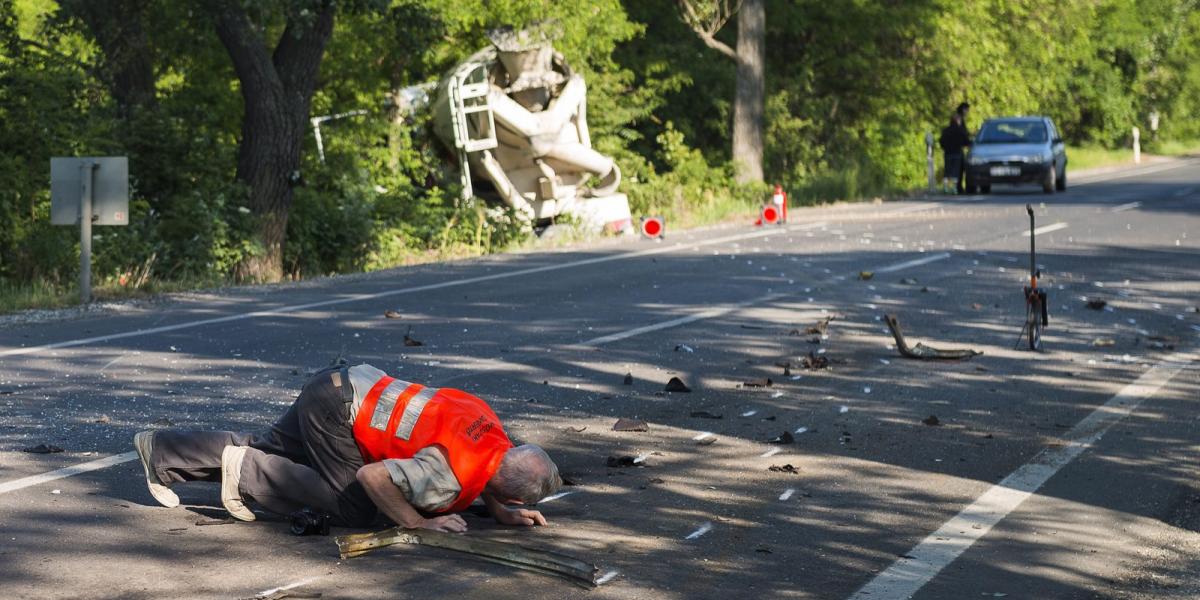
x=1035 y=159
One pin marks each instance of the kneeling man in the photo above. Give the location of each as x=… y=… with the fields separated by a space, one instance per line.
x=356 y=441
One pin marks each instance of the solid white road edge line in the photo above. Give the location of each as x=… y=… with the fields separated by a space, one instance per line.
x=921 y=564
x=94 y=465
x=410 y=290
x=1047 y=229
x=908 y=264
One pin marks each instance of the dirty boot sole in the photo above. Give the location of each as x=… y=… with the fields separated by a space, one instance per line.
x=143 y=442
x=231 y=468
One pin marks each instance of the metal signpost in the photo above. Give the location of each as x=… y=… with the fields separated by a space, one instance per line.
x=89 y=191
x=929 y=162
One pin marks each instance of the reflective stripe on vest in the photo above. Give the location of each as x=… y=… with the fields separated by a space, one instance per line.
x=412 y=412
x=387 y=403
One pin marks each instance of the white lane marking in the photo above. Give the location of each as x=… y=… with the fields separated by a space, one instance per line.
x=702 y=435
x=907 y=575
x=111 y=362
x=607 y=577
x=1047 y=229
x=265 y=593
x=787 y=494
x=1132 y=172
x=912 y=209
x=1125 y=207
x=92 y=465
x=555 y=497
x=770 y=453
x=703 y=529
x=410 y=290
x=700 y=316
x=916 y=262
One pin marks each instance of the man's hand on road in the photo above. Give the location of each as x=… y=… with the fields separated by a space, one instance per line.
x=450 y=523
x=520 y=516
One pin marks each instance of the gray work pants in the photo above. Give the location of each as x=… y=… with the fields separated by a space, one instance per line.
x=307 y=459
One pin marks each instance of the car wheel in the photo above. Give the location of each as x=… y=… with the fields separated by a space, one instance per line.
x=1061 y=184
x=971 y=189
x=985 y=189
x=1048 y=182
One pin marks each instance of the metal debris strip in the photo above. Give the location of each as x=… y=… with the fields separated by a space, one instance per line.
x=676 y=385
x=921 y=351
x=409 y=340
x=623 y=424
x=519 y=557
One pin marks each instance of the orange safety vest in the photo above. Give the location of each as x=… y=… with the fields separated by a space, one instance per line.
x=397 y=419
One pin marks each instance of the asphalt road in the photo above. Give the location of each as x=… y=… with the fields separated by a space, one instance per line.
x=1068 y=474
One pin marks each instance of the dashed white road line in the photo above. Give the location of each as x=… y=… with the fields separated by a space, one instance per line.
x=700 y=316
x=1047 y=228
x=703 y=529
x=93 y=465
x=921 y=564
x=916 y=262
x=1125 y=207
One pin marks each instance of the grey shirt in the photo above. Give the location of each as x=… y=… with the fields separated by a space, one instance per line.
x=426 y=479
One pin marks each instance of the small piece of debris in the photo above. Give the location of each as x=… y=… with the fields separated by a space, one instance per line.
x=56 y=492
x=707 y=441
x=704 y=414
x=924 y=290
x=392 y=314
x=757 y=383
x=1103 y=342
x=225 y=521
x=763 y=549
x=684 y=348
x=104 y=419
x=630 y=425
x=409 y=341
x=1096 y=303
x=908 y=281
x=624 y=461
x=866 y=275
x=783 y=438
x=42 y=449
x=784 y=469
x=163 y=422
x=577 y=429
x=676 y=385
x=814 y=362
x=931 y=421
x=629 y=379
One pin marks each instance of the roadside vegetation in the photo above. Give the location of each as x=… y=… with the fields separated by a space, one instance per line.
x=850 y=91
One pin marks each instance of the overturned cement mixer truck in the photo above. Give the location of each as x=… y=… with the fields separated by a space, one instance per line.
x=515 y=114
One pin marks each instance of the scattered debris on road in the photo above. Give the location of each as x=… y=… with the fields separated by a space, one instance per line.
x=1103 y=342
x=932 y=421
x=630 y=425
x=704 y=414
x=908 y=281
x=42 y=449
x=788 y=468
x=104 y=419
x=392 y=314
x=921 y=351
x=866 y=275
x=677 y=385
x=628 y=379
x=409 y=341
x=577 y=429
x=528 y=559
x=163 y=422
x=1096 y=303
x=225 y=521
x=758 y=383
x=783 y=438
x=684 y=348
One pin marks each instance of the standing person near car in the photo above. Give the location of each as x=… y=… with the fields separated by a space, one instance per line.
x=953 y=140
x=962 y=109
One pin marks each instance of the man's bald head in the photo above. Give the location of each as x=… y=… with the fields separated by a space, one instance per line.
x=526 y=475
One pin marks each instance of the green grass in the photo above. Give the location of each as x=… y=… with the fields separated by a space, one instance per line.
x=1176 y=148
x=1090 y=157
x=43 y=294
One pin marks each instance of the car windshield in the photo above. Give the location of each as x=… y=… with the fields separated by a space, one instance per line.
x=1012 y=132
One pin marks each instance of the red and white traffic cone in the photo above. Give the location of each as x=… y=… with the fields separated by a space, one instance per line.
x=653 y=227
x=770 y=215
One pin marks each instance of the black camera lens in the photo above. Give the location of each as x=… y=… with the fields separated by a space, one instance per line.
x=309 y=522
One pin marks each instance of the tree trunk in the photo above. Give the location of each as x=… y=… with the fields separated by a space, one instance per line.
x=748 y=102
x=277 y=91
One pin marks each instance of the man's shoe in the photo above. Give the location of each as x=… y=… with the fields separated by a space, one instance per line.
x=144 y=442
x=231 y=473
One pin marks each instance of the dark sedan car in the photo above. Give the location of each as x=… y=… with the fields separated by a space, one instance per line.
x=1017 y=150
